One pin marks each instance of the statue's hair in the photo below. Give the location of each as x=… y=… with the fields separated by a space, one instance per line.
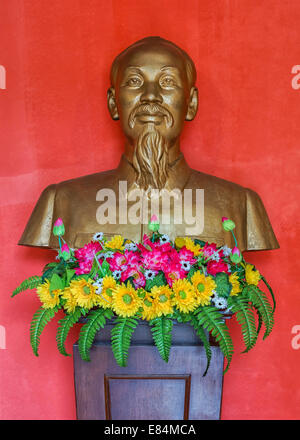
x=189 y=64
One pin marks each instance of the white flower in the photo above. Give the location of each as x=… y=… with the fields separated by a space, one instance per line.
x=164 y=239
x=229 y=268
x=226 y=251
x=98 y=284
x=117 y=274
x=131 y=247
x=108 y=254
x=98 y=236
x=149 y=274
x=220 y=302
x=215 y=256
x=185 y=265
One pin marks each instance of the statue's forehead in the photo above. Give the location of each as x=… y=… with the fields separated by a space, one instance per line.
x=153 y=57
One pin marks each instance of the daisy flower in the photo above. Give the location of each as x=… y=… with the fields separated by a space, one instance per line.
x=126 y=302
x=98 y=236
x=204 y=287
x=184 y=296
x=49 y=299
x=150 y=274
x=236 y=287
x=185 y=265
x=162 y=300
x=84 y=293
x=164 y=239
x=105 y=297
x=219 y=302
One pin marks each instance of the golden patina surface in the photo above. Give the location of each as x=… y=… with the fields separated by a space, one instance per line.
x=152 y=93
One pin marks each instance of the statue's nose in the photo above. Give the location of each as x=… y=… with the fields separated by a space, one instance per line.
x=151 y=93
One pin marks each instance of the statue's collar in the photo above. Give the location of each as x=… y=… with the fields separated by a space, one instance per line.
x=178 y=175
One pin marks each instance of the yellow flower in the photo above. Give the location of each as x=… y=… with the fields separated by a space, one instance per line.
x=116 y=243
x=191 y=246
x=105 y=298
x=84 y=293
x=236 y=287
x=126 y=301
x=184 y=296
x=252 y=276
x=149 y=310
x=70 y=303
x=49 y=299
x=204 y=287
x=180 y=242
x=162 y=300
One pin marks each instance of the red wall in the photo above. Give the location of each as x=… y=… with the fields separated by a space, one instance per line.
x=55 y=125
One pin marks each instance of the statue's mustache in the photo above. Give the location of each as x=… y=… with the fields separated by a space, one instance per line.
x=151 y=110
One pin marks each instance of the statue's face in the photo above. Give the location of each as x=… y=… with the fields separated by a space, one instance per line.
x=152 y=88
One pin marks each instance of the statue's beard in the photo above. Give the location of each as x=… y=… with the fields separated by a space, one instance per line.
x=150 y=158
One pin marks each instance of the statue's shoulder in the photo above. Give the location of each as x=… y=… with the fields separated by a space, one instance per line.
x=212 y=183
x=86 y=183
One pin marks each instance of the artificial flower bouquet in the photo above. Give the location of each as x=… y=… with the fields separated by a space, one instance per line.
x=157 y=280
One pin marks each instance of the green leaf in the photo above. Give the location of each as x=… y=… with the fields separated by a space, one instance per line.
x=65 y=326
x=201 y=242
x=211 y=319
x=40 y=319
x=70 y=273
x=245 y=317
x=56 y=282
x=158 y=280
x=95 y=320
x=223 y=285
x=202 y=335
x=262 y=305
x=161 y=329
x=29 y=283
x=121 y=338
x=105 y=267
x=270 y=290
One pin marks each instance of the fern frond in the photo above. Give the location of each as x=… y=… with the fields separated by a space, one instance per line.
x=262 y=305
x=245 y=317
x=211 y=319
x=65 y=326
x=40 y=318
x=121 y=338
x=29 y=283
x=202 y=335
x=161 y=329
x=95 y=320
x=271 y=292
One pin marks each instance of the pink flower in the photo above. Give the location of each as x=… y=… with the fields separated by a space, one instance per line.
x=138 y=278
x=214 y=267
x=154 y=259
x=186 y=255
x=174 y=272
x=210 y=249
x=117 y=262
x=85 y=257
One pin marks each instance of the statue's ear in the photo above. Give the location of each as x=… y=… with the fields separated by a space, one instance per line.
x=193 y=104
x=112 y=105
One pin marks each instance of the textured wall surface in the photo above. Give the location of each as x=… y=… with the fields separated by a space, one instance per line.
x=54 y=125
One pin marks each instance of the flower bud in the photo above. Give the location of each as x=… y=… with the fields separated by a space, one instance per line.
x=65 y=252
x=153 y=225
x=236 y=256
x=228 y=225
x=58 y=228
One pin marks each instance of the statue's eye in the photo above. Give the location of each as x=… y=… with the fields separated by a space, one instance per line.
x=134 y=81
x=167 y=82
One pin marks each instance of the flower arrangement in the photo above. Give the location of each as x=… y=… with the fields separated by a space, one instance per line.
x=157 y=280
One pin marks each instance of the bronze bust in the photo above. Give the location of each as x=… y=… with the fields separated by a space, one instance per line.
x=152 y=93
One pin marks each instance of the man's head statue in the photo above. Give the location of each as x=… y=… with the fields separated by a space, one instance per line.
x=152 y=93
